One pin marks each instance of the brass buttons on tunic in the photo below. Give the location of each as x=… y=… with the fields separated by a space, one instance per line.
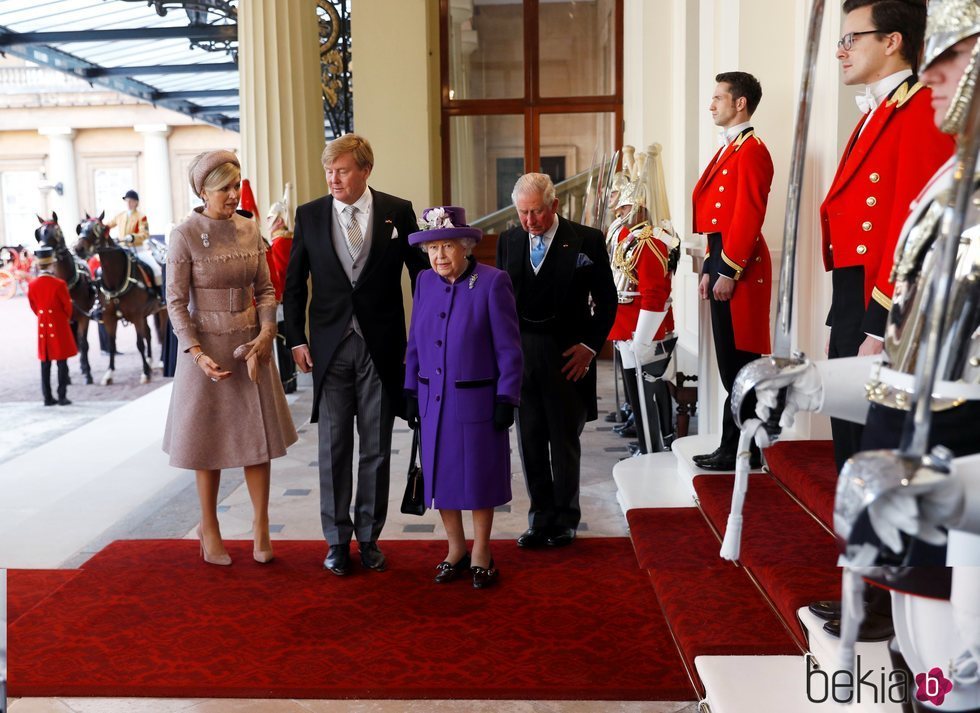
x=874 y=178
x=721 y=189
x=717 y=205
x=866 y=226
x=724 y=172
x=871 y=201
x=714 y=221
x=862 y=249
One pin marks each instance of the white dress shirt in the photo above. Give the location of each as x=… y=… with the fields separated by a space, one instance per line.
x=881 y=89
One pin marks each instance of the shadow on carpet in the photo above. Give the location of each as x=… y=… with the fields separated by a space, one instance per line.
x=148 y=618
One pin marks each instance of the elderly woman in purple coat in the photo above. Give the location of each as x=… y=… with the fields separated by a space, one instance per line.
x=463 y=380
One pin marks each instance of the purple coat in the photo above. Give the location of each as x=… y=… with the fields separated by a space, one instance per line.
x=464 y=355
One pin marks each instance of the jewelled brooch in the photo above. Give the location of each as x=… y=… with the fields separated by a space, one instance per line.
x=473 y=280
x=205 y=240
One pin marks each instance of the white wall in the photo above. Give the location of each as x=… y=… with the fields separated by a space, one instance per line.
x=673 y=50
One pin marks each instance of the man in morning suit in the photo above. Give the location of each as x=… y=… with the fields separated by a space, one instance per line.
x=729 y=208
x=352 y=245
x=556 y=266
x=892 y=152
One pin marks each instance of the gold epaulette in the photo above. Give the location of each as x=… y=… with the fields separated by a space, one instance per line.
x=745 y=137
x=646 y=239
x=904 y=93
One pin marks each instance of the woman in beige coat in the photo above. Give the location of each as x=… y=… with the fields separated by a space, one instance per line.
x=220 y=297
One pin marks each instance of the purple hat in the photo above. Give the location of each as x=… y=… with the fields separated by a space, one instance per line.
x=445 y=222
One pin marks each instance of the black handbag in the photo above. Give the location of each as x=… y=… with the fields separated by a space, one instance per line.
x=413 y=501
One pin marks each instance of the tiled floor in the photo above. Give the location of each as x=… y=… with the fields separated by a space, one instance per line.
x=294 y=513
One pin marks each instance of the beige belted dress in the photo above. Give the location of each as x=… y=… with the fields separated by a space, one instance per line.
x=214 y=269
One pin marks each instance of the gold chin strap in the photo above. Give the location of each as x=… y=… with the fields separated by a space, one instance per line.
x=956 y=114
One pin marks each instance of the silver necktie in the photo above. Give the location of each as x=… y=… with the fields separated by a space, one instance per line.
x=355 y=240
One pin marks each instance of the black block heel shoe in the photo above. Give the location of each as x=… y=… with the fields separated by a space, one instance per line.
x=448 y=572
x=484 y=577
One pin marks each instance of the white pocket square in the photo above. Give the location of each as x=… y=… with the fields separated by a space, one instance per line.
x=394 y=233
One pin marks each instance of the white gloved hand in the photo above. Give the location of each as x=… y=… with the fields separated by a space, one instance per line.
x=804 y=393
x=647 y=325
x=932 y=500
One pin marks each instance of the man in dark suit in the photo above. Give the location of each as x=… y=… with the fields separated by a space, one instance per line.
x=556 y=266
x=352 y=245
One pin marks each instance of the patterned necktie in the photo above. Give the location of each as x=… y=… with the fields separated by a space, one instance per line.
x=537 y=250
x=355 y=241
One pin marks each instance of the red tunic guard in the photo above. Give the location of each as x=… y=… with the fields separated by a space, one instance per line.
x=730 y=198
x=652 y=257
x=883 y=169
x=49 y=298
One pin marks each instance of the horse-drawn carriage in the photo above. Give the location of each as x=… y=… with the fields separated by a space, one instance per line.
x=123 y=290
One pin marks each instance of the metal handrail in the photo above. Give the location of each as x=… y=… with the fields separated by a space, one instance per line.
x=570 y=194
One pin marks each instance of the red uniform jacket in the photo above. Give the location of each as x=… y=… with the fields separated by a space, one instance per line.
x=49 y=298
x=278 y=257
x=653 y=284
x=730 y=198
x=881 y=171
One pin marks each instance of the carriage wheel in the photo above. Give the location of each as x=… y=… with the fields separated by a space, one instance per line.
x=8 y=285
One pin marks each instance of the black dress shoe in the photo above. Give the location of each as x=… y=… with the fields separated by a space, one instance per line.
x=627 y=431
x=873 y=628
x=372 y=557
x=484 y=577
x=63 y=401
x=706 y=456
x=561 y=538
x=722 y=460
x=726 y=461
x=449 y=572
x=533 y=537
x=50 y=402
x=826 y=609
x=338 y=559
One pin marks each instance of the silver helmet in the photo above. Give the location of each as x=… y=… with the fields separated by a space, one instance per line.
x=949 y=22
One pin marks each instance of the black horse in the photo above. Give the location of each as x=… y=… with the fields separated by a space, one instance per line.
x=81 y=286
x=125 y=292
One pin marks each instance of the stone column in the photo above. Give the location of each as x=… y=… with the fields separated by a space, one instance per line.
x=61 y=169
x=156 y=194
x=281 y=101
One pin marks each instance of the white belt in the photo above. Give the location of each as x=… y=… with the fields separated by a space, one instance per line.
x=941 y=389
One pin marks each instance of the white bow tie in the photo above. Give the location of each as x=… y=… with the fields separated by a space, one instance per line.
x=866 y=102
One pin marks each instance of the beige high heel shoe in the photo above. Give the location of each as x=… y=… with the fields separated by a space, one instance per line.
x=262 y=556
x=221 y=560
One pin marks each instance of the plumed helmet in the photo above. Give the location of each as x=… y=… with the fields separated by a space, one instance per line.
x=282 y=209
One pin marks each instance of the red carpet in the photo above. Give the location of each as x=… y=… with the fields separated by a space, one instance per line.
x=27 y=587
x=147 y=618
x=807 y=469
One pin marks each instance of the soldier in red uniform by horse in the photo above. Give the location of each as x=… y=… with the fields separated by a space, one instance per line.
x=49 y=298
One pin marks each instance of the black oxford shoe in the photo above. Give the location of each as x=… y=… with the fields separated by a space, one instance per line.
x=338 y=559
x=874 y=628
x=826 y=609
x=561 y=538
x=449 y=572
x=532 y=537
x=372 y=557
